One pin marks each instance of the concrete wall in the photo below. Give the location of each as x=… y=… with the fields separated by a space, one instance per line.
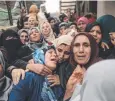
x=105 y=7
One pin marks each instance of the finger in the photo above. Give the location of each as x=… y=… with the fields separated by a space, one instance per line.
x=50 y=78
x=43 y=73
x=52 y=84
x=51 y=81
x=23 y=74
x=48 y=70
x=31 y=61
x=14 y=78
x=107 y=46
x=27 y=70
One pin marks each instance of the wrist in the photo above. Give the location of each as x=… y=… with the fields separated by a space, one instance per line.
x=67 y=95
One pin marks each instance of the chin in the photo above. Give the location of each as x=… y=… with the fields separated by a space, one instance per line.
x=81 y=63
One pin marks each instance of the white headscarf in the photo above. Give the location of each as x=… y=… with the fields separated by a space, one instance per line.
x=99 y=82
x=51 y=36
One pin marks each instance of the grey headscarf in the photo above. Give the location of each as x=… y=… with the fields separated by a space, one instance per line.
x=99 y=82
x=5 y=83
x=22 y=30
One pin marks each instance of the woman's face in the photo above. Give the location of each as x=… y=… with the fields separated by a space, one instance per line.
x=112 y=38
x=63 y=30
x=46 y=29
x=52 y=22
x=63 y=52
x=51 y=59
x=82 y=26
x=96 y=33
x=34 y=35
x=82 y=50
x=32 y=21
x=24 y=37
x=73 y=27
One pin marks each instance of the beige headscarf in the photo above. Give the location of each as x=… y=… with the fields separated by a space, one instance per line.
x=33 y=10
x=64 y=39
x=51 y=35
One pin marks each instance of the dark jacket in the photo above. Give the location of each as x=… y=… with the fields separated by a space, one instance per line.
x=30 y=89
x=112 y=55
x=104 y=53
x=25 y=54
x=64 y=70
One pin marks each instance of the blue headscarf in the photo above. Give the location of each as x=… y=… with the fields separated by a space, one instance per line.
x=39 y=57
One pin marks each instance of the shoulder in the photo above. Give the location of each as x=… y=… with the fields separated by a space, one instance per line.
x=29 y=82
x=33 y=77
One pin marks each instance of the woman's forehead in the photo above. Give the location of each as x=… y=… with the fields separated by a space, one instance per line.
x=51 y=50
x=81 y=38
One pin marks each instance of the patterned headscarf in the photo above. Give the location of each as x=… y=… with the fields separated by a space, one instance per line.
x=47 y=93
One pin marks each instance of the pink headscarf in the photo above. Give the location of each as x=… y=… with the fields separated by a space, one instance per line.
x=83 y=19
x=92 y=19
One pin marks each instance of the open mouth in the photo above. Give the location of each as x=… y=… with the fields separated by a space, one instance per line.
x=81 y=57
x=54 y=60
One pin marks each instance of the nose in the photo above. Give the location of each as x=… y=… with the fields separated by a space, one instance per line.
x=80 y=25
x=24 y=38
x=81 y=49
x=54 y=54
x=34 y=33
x=61 y=55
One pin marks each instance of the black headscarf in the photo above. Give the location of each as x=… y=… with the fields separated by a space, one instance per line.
x=10 y=40
x=91 y=25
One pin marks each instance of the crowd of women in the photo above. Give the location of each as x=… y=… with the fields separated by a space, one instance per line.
x=48 y=59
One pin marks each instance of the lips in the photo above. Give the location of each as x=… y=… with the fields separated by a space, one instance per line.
x=54 y=60
x=81 y=57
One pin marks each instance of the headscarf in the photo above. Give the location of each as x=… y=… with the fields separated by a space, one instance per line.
x=51 y=36
x=41 y=16
x=91 y=25
x=5 y=83
x=107 y=23
x=33 y=10
x=61 y=17
x=47 y=93
x=91 y=20
x=11 y=41
x=65 y=24
x=94 y=50
x=22 y=30
x=83 y=19
x=29 y=31
x=98 y=83
x=40 y=44
x=64 y=39
x=50 y=19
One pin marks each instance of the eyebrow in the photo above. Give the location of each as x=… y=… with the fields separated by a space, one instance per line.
x=83 y=43
x=86 y=43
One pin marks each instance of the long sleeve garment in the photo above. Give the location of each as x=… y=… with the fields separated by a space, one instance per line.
x=30 y=89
